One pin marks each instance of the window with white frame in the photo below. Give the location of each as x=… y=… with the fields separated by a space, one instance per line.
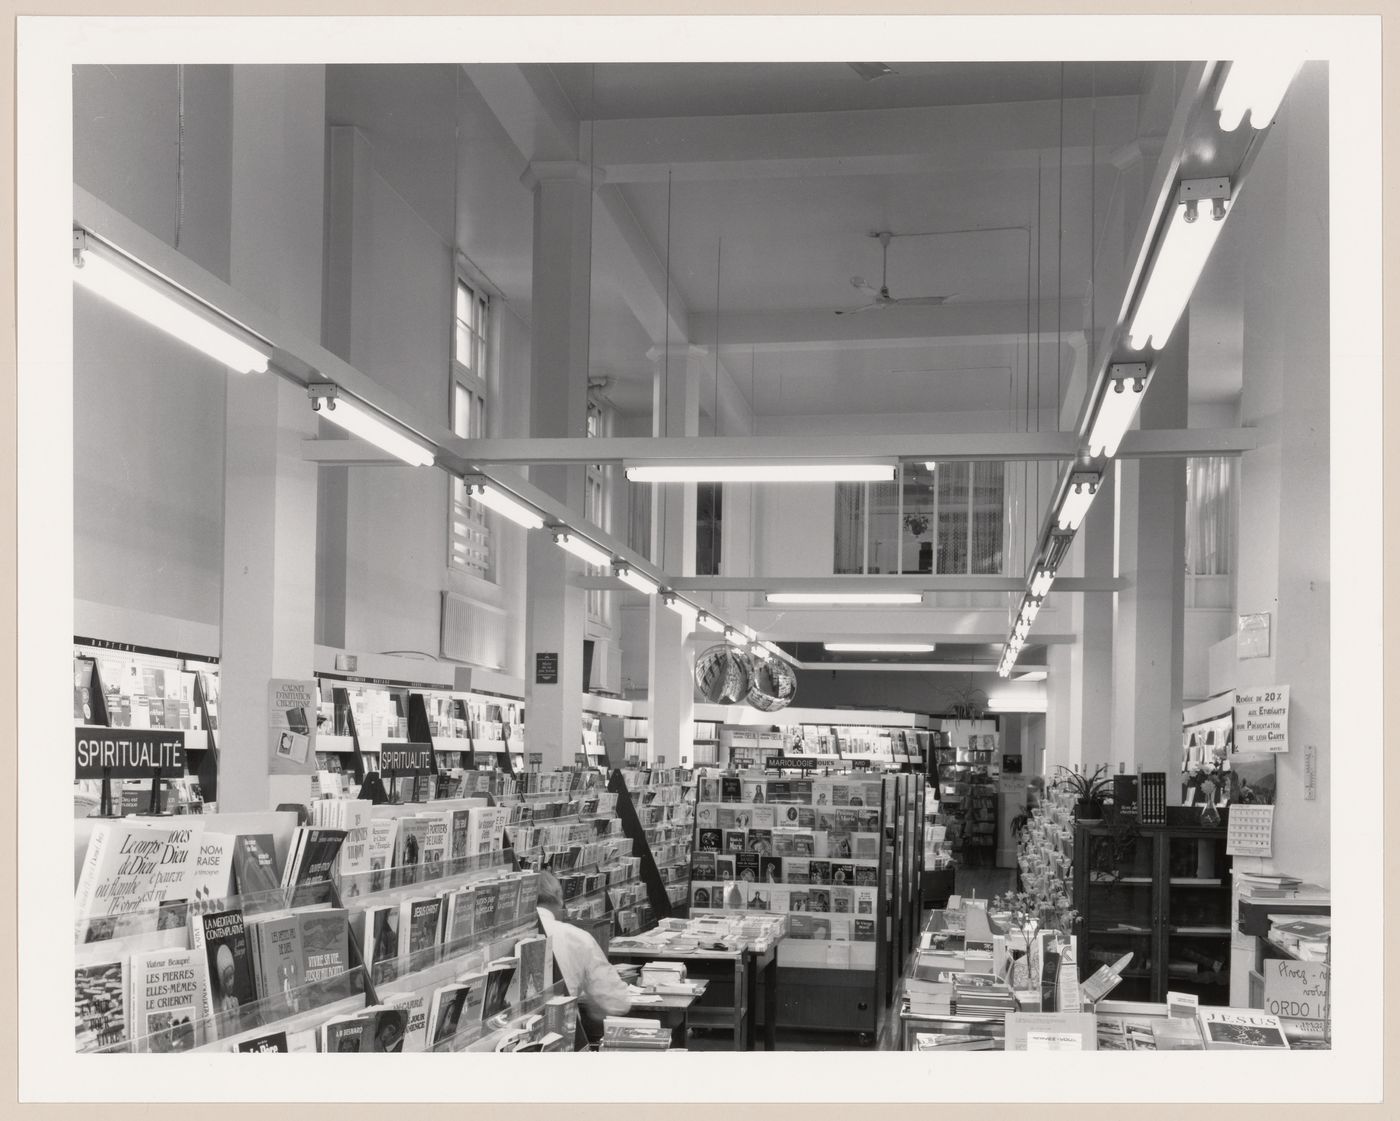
x=946 y=520
x=470 y=527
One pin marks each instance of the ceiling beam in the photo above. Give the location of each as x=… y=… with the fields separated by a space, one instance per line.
x=919 y=140
x=934 y=446
x=931 y=583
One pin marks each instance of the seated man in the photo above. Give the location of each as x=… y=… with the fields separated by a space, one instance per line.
x=587 y=973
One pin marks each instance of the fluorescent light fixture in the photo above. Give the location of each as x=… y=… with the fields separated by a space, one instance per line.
x=1032 y=675
x=582 y=548
x=1255 y=86
x=1123 y=392
x=879 y=647
x=772 y=648
x=1030 y=608
x=1041 y=582
x=930 y=465
x=1056 y=546
x=1083 y=485
x=761 y=473
x=149 y=296
x=1196 y=220
x=360 y=420
x=1016 y=704
x=638 y=580
x=735 y=636
x=1003 y=670
x=504 y=504
x=710 y=623
x=682 y=607
x=866 y=599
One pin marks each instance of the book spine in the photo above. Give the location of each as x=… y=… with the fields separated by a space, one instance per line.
x=201 y=963
x=87 y=882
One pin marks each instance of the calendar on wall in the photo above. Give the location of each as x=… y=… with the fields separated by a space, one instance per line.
x=1251 y=831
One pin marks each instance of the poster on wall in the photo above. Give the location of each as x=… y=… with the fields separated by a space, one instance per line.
x=292 y=705
x=1261 y=719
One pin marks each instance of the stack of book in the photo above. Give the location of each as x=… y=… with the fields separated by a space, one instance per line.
x=952 y=1041
x=1308 y=936
x=634 y=1033
x=981 y=994
x=1262 y=885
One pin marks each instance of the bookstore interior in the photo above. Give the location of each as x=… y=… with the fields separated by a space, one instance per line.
x=812 y=529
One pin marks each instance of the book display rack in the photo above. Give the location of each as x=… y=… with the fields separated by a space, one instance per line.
x=261 y=941
x=664 y=799
x=967 y=797
x=829 y=853
x=120 y=685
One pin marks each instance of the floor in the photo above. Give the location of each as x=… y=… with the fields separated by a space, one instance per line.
x=979 y=883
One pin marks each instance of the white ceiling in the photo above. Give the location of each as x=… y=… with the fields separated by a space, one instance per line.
x=762 y=207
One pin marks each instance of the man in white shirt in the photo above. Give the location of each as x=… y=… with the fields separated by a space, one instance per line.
x=586 y=971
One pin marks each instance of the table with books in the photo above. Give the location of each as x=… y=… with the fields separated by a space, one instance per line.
x=717 y=949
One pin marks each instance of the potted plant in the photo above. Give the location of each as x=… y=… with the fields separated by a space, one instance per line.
x=1088 y=789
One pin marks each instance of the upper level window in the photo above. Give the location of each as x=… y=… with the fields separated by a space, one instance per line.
x=1210 y=515
x=470 y=526
x=949 y=521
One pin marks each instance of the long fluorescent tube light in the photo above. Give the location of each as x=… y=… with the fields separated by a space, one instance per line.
x=360 y=420
x=1057 y=544
x=1083 y=485
x=580 y=547
x=1196 y=219
x=762 y=473
x=879 y=647
x=867 y=599
x=149 y=296
x=504 y=505
x=638 y=580
x=710 y=623
x=1255 y=86
x=1123 y=392
x=684 y=608
x=1041 y=582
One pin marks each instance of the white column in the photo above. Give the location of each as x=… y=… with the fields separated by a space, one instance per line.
x=1149 y=614
x=670 y=688
x=559 y=314
x=269 y=590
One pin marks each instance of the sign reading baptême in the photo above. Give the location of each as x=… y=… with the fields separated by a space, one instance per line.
x=128 y=752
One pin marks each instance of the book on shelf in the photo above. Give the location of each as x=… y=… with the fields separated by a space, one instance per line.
x=101 y=1004
x=272 y=1043
x=532 y=957
x=278 y=963
x=255 y=870
x=453 y=1007
x=406 y=863
x=953 y=1041
x=1240 y=1029
x=211 y=882
x=414 y=1004
x=133 y=869
x=378 y=1029
x=311 y=863
x=383 y=844
x=167 y=999
x=325 y=953
x=229 y=993
x=420 y=920
x=1174 y=1033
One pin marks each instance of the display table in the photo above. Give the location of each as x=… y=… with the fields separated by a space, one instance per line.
x=672 y=1010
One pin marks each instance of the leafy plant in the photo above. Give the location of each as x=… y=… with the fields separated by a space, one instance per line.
x=966 y=703
x=1084 y=785
x=1030 y=912
x=916 y=524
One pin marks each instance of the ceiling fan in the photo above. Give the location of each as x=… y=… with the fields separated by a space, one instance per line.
x=883 y=299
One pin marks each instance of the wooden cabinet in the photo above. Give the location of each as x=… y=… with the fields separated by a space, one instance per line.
x=1162 y=892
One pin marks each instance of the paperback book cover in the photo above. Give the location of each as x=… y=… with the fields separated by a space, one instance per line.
x=820 y=871
x=415 y=1008
x=700 y=896
x=459 y=919
x=724 y=868
x=499 y=974
x=763 y=817
x=702 y=866
x=734 y=840
x=842 y=872
x=355 y=819
x=865 y=846
x=532 y=956
x=727 y=816
x=381 y=939
x=529 y=896
x=436 y=840
x=229 y=992
x=760 y=841
x=255 y=870
x=771 y=869
x=419 y=920
x=731 y=788
x=459 y=835
x=271 y=1044
x=486 y=895
x=309 y=874
x=508 y=901
x=134 y=867
x=707 y=815
x=842 y=900
x=866 y=875
x=746 y=866
x=325 y=951
x=277 y=962
x=212 y=882
x=865 y=900
x=864 y=930
x=100 y=1005
x=819 y=899
x=1237 y=1029
x=167 y=999
x=796 y=871
x=408 y=851
x=383 y=836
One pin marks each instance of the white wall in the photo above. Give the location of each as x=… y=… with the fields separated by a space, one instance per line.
x=148 y=412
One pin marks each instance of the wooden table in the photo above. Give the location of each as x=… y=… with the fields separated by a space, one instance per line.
x=743 y=968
